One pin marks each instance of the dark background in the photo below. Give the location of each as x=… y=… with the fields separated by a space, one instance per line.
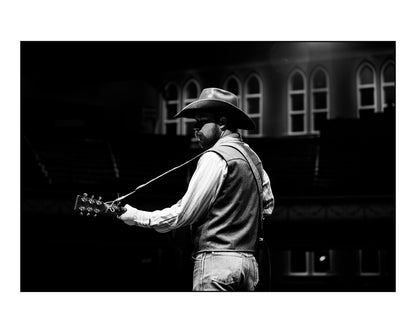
x=79 y=104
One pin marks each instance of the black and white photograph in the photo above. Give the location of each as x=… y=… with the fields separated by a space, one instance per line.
x=208 y=166
x=169 y=161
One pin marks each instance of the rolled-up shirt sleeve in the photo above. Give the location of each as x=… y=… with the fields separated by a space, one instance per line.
x=202 y=190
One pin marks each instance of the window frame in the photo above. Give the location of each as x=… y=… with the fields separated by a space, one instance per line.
x=291 y=112
x=307 y=264
x=313 y=90
x=360 y=264
x=331 y=258
x=245 y=103
x=166 y=102
x=240 y=87
x=386 y=84
x=310 y=263
x=366 y=86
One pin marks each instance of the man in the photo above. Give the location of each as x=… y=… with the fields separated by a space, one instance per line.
x=227 y=197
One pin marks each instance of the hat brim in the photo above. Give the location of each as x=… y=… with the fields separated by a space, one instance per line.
x=240 y=118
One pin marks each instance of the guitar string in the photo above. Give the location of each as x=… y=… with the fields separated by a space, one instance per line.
x=152 y=180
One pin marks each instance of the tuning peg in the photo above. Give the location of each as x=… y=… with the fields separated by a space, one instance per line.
x=91 y=201
x=88 y=214
x=99 y=198
x=95 y=215
x=81 y=214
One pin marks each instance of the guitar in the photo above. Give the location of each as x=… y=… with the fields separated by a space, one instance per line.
x=88 y=206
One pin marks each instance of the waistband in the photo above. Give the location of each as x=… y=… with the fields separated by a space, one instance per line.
x=230 y=253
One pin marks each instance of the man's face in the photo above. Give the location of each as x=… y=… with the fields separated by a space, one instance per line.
x=207 y=131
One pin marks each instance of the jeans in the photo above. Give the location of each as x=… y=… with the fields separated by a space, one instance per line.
x=225 y=271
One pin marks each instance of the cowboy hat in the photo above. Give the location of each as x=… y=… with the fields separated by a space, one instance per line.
x=218 y=101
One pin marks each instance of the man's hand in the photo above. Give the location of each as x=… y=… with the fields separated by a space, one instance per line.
x=133 y=216
x=128 y=216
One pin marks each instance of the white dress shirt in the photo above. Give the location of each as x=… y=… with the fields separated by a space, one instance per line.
x=202 y=191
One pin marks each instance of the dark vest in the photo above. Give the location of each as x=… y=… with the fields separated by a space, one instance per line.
x=232 y=222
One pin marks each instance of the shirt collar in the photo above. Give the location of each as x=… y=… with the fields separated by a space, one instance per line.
x=232 y=137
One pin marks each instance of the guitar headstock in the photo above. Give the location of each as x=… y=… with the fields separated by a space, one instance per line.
x=89 y=206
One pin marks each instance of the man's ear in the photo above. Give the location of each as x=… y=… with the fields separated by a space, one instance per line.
x=223 y=123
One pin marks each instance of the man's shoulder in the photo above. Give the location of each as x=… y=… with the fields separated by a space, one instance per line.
x=228 y=151
x=212 y=155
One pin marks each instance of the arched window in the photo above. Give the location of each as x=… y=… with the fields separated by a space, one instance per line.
x=297 y=103
x=366 y=90
x=191 y=92
x=253 y=103
x=232 y=84
x=171 y=106
x=388 y=98
x=319 y=99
